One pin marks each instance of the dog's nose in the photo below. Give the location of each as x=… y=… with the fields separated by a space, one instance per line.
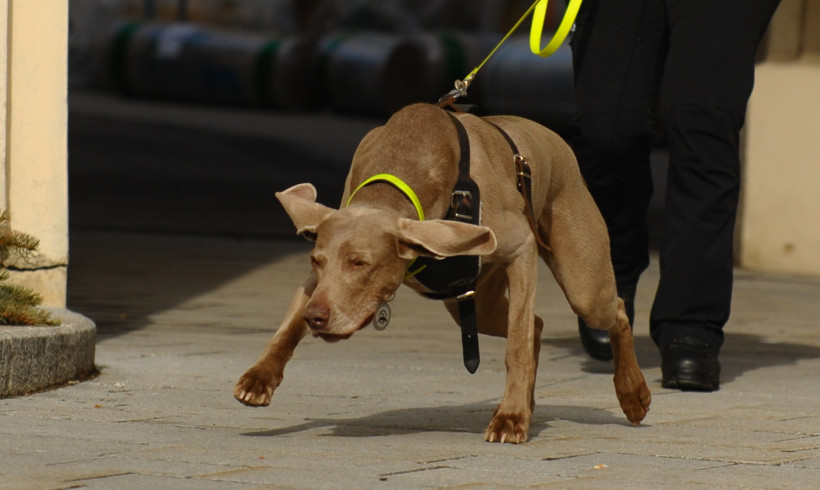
x=316 y=316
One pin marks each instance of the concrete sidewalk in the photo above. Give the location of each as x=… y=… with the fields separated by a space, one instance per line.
x=181 y=317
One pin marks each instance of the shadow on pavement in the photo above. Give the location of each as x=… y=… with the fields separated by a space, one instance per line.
x=123 y=280
x=741 y=353
x=469 y=418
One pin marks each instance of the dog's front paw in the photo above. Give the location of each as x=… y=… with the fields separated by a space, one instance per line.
x=507 y=427
x=634 y=397
x=255 y=387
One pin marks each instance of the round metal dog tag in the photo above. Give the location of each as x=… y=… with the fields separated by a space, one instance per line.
x=382 y=318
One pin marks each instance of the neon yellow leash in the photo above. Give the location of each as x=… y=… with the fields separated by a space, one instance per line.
x=536 y=31
x=561 y=33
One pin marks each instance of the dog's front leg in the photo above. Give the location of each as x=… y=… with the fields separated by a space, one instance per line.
x=255 y=388
x=511 y=420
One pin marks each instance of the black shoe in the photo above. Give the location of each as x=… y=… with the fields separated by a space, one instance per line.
x=596 y=341
x=690 y=364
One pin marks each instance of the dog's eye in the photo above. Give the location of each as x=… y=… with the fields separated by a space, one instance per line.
x=357 y=263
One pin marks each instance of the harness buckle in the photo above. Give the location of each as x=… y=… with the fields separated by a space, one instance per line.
x=462 y=205
x=522 y=165
x=523 y=171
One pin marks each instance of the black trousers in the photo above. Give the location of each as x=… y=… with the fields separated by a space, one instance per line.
x=688 y=64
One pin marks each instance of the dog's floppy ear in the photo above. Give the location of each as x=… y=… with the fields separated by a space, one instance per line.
x=300 y=203
x=441 y=238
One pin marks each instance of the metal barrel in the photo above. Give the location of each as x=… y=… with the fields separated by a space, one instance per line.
x=186 y=62
x=516 y=81
x=370 y=72
x=289 y=79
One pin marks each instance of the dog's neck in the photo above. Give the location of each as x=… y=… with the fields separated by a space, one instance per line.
x=385 y=195
x=417 y=150
x=396 y=182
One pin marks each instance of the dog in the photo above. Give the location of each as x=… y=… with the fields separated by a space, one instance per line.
x=362 y=250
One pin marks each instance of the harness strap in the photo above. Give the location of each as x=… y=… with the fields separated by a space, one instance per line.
x=466 y=207
x=469 y=331
x=463 y=148
x=524 y=172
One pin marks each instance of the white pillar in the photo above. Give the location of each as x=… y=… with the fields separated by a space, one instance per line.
x=33 y=140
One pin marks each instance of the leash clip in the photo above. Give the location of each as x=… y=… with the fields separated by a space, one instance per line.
x=460 y=90
x=463 y=85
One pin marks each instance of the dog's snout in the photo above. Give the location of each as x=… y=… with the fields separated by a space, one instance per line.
x=316 y=316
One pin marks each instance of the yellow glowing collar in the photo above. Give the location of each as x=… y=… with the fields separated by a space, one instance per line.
x=399 y=184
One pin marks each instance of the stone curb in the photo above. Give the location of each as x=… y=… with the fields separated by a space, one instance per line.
x=36 y=358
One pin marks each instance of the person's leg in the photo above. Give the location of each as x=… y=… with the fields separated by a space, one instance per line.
x=617 y=56
x=707 y=82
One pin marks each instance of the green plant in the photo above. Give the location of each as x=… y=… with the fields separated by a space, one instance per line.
x=18 y=305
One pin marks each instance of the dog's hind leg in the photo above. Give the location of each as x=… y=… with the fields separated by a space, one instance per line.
x=579 y=259
x=630 y=387
x=255 y=388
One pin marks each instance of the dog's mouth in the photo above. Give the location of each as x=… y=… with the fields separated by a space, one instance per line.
x=335 y=337
x=330 y=337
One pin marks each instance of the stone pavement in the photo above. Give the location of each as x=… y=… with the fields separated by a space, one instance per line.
x=181 y=317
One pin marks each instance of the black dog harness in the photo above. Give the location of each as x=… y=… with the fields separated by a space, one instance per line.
x=455 y=277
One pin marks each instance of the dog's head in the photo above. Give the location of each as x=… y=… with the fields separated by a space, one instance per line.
x=361 y=253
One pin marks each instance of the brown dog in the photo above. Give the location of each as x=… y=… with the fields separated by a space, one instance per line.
x=362 y=250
